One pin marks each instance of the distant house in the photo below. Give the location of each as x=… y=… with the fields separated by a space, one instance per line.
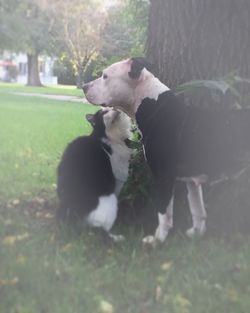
x=10 y=61
x=8 y=71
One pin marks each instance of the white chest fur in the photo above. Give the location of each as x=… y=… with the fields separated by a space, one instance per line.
x=119 y=160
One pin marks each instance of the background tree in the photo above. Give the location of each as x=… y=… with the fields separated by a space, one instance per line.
x=117 y=38
x=25 y=27
x=198 y=39
x=85 y=35
x=136 y=19
x=123 y=34
x=9 y=25
x=77 y=28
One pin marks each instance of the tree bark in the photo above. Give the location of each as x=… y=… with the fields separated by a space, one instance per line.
x=80 y=76
x=33 y=70
x=198 y=39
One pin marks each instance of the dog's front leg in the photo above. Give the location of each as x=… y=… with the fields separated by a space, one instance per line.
x=197 y=208
x=165 y=220
x=165 y=223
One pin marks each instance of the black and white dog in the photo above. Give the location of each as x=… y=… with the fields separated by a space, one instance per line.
x=93 y=170
x=180 y=142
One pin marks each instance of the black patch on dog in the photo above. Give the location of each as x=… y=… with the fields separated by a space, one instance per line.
x=84 y=173
x=183 y=141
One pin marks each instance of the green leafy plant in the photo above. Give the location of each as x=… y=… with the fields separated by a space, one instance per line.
x=136 y=193
x=217 y=87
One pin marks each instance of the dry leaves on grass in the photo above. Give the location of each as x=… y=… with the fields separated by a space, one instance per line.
x=21 y=259
x=166 y=266
x=232 y=294
x=106 y=307
x=11 y=240
x=9 y=282
x=182 y=303
x=158 y=293
x=67 y=247
x=13 y=203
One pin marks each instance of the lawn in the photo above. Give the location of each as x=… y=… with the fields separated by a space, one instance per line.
x=34 y=132
x=46 y=269
x=50 y=90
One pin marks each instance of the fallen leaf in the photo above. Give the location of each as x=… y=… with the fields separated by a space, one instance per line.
x=15 y=202
x=9 y=282
x=182 y=302
x=106 y=307
x=52 y=238
x=67 y=247
x=166 y=266
x=28 y=152
x=11 y=240
x=158 y=293
x=218 y=286
x=48 y=215
x=39 y=200
x=20 y=259
x=58 y=273
x=232 y=294
x=26 y=193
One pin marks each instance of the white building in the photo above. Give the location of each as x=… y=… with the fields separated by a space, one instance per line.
x=19 y=60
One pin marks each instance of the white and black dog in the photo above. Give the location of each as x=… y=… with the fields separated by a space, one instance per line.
x=180 y=142
x=93 y=170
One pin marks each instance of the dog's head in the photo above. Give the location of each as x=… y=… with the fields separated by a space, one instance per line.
x=118 y=83
x=111 y=123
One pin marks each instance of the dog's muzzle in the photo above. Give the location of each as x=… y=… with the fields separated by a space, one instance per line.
x=85 y=88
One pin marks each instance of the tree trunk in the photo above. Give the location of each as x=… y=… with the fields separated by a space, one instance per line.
x=80 y=76
x=33 y=70
x=198 y=39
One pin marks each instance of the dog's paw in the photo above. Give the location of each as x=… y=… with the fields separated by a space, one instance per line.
x=149 y=241
x=196 y=231
x=117 y=238
x=160 y=236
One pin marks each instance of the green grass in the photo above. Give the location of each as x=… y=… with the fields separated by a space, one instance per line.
x=46 y=269
x=34 y=132
x=50 y=90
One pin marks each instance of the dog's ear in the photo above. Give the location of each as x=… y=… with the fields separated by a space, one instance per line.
x=90 y=119
x=137 y=65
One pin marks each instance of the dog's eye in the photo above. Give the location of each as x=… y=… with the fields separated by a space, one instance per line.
x=104 y=76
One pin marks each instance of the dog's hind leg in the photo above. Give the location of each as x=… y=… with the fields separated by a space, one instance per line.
x=197 y=208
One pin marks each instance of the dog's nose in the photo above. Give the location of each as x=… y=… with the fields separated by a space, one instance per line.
x=85 y=88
